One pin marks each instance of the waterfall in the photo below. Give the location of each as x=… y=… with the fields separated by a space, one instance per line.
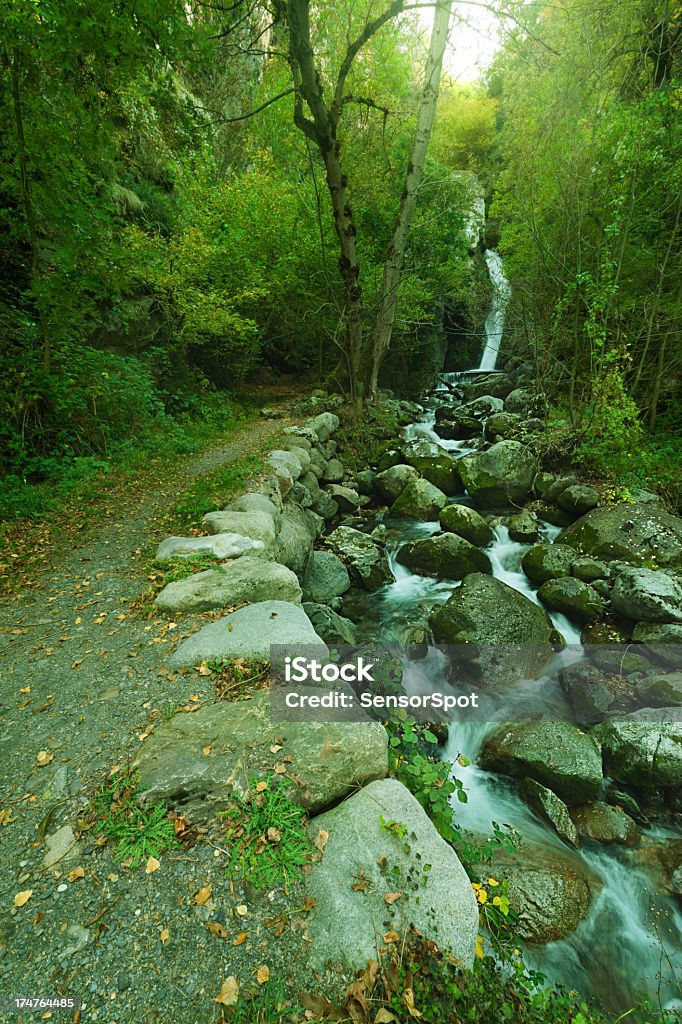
x=494 y=325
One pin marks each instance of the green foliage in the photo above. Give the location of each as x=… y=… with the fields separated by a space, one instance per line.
x=464 y=131
x=138 y=833
x=267 y=833
x=211 y=491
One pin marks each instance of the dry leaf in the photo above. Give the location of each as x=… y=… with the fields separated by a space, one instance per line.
x=274 y=749
x=274 y=835
x=241 y=938
x=203 y=896
x=280 y=769
x=25 y=689
x=207 y=750
x=229 y=993
x=242 y=910
x=165 y=936
x=391 y=936
x=22 y=897
x=308 y=904
x=76 y=873
x=44 y=757
x=215 y=928
x=321 y=840
x=263 y=974
x=392 y=897
x=152 y=865
x=261 y=787
x=6 y=816
x=385 y=1016
x=408 y=999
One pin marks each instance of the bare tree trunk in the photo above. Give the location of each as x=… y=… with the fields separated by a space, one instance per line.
x=393 y=267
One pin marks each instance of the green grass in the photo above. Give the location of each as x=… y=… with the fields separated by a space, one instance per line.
x=213 y=490
x=136 y=833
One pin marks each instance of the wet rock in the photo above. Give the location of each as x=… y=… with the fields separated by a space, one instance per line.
x=556 y=754
x=333 y=628
x=254 y=524
x=605 y=824
x=573 y=598
x=550 y=808
x=662 y=860
x=644 y=749
x=550 y=514
x=467 y=523
x=589 y=569
x=657 y=633
x=392 y=482
x=502 y=426
x=548 y=562
x=523 y=402
x=482 y=407
x=329 y=759
x=445 y=556
x=219 y=546
x=419 y=500
x=327 y=578
x=248 y=633
x=366 y=482
x=639 y=534
x=438 y=901
x=591 y=694
x=245 y=580
x=557 y=485
x=647 y=595
x=346 y=498
x=458 y=427
x=661 y=690
x=365 y=559
x=578 y=499
x=435 y=464
x=524 y=527
x=500 y=476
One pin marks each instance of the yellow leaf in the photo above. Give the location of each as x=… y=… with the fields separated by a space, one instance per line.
x=229 y=993
x=385 y=1016
x=44 y=757
x=241 y=938
x=263 y=974
x=391 y=897
x=76 y=873
x=6 y=816
x=165 y=936
x=491 y=881
x=242 y=910
x=274 y=749
x=203 y=896
x=215 y=928
x=408 y=999
x=482 y=896
x=152 y=865
x=321 y=840
x=22 y=897
x=261 y=787
x=479 y=947
x=207 y=750
x=25 y=689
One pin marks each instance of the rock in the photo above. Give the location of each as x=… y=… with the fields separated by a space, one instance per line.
x=662 y=690
x=524 y=527
x=365 y=559
x=497 y=384
x=246 y=580
x=589 y=569
x=548 y=562
x=219 y=546
x=389 y=457
x=60 y=847
x=297 y=534
x=254 y=524
x=543 y=481
x=657 y=633
x=333 y=628
x=325 y=506
x=550 y=514
x=578 y=600
x=366 y=482
x=299 y=448
x=253 y=501
x=247 y=633
x=605 y=824
x=330 y=759
x=502 y=426
x=550 y=809
x=589 y=691
x=392 y=482
x=280 y=458
x=557 y=754
x=647 y=595
x=327 y=578
x=500 y=476
x=640 y=534
x=662 y=860
x=299 y=495
x=644 y=749
x=334 y=472
x=503 y=636
x=467 y=523
x=436 y=896
x=445 y=556
x=435 y=464
x=578 y=499
x=550 y=892
x=523 y=402
x=324 y=425
x=419 y=500
x=311 y=484
x=557 y=486
x=346 y=498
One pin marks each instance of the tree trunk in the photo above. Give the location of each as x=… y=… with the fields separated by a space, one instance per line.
x=388 y=297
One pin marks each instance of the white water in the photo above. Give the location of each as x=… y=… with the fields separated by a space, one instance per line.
x=494 y=325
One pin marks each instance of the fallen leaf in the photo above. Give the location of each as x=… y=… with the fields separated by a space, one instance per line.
x=203 y=896
x=242 y=910
x=321 y=840
x=391 y=936
x=261 y=787
x=22 y=897
x=274 y=835
x=308 y=904
x=152 y=865
x=215 y=928
x=207 y=750
x=25 y=689
x=263 y=974
x=6 y=816
x=44 y=757
x=392 y=897
x=195 y=696
x=229 y=993
x=241 y=938
x=165 y=936
x=76 y=873
x=408 y=999
x=385 y=1016
x=280 y=769
x=274 y=749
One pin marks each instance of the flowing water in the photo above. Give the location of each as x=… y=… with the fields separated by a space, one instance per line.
x=630 y=940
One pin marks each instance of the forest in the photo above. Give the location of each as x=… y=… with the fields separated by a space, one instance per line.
x=323 y=324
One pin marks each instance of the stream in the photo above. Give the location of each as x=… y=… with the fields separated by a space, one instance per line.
x=629 y=942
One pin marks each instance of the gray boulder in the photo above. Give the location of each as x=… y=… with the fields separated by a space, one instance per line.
x=254 y=524
x=419 y=500
x=556 y=754
x=589 y=569
x=551 y=809
x=605 y=824
x=524 y=527
x=435 y=464
x=502 y=426
x=577 y=499
x=324 y=425
x=426 y=886
x=573 y=598
x=248 y=633
x=523 y=402
x=640 y=534
x=648 y=595
x=365 y=559
x=245 y=580
x=468 y=523
x=346 y=498
x=333 y=472
x=499 y=477
x=280 y=459
x=326 y=579
x=333 y=628
x=253 y=501
x=445 y=556
x=548 y=562
x=297 y=534
x=325 y=506
x=219 y=546
x=328 y=761
x=644 y=749
x=392 y=482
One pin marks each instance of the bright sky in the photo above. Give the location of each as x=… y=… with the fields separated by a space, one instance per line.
x=473 y=41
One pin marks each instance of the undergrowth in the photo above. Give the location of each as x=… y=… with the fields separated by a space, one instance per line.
x=135 y=832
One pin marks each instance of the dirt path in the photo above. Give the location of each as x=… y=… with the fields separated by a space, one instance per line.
x=82 y=677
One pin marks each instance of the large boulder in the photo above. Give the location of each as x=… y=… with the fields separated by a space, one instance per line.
x=502 y=426
x=220 y=546
x=297 y=534
x=366 y=560
x=419 y=500
x=548 y=562
x=556 y=754
x=644 y=749
x=435 y=464
x=255 y=524
x=445 y=556
x=551 y=809
x=195 y=763
x=333 y=628
x=326 y=579
x=573 y=598
x=640 y=534
x=392 y=482
x=499 y=477
x=324 y=425
x=411 y=881
x=605 y=824
x=467 y=523
x=254 y=501
x=245 y=580
x=524 y=527
x=647 y=595
x=577 y=499
x=248 y=633
x=523 y=402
